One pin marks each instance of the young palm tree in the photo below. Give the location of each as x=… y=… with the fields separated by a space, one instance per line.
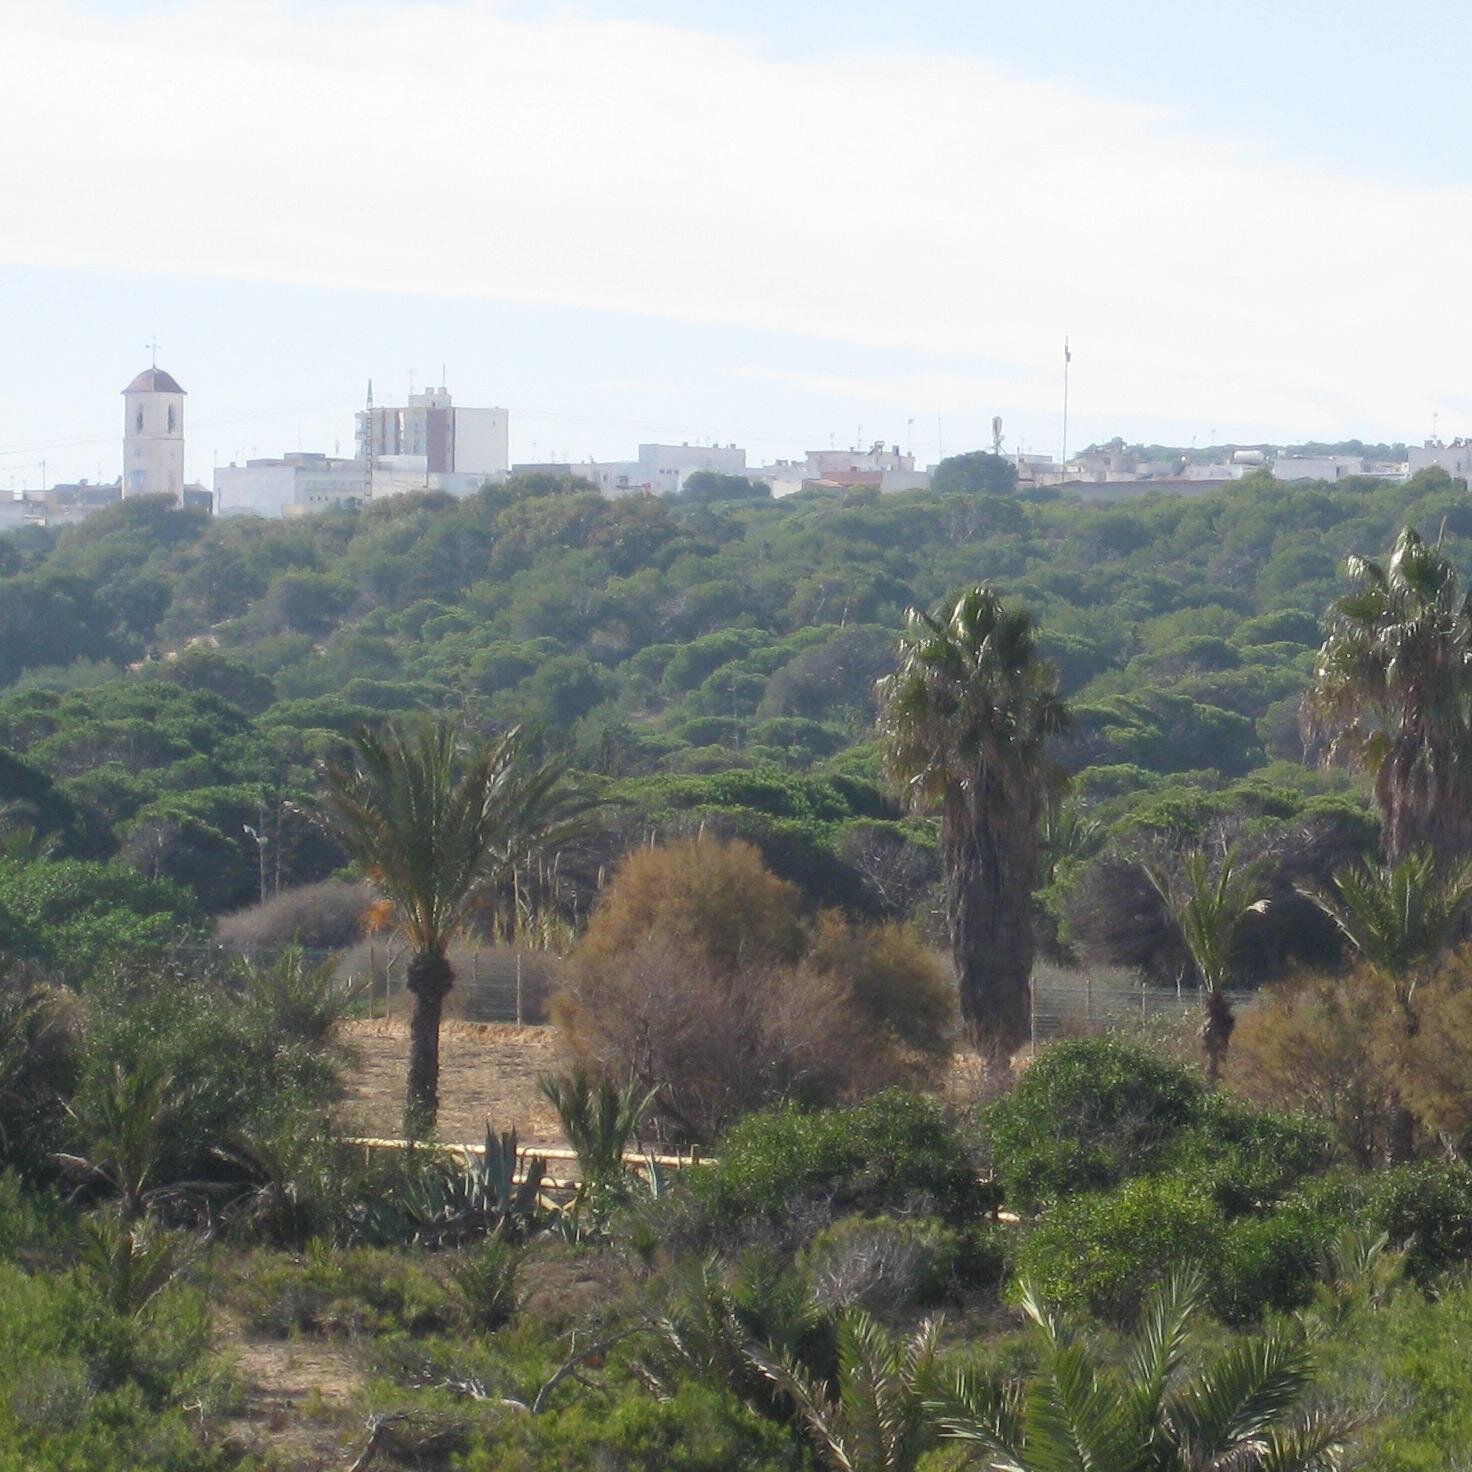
x=1207 y=907
x=879 y=1420
x=1401 y=918
x=1244 y=1410
x=1392 y=691
x=966 y=721
x=599 y=1122
x=432 y=824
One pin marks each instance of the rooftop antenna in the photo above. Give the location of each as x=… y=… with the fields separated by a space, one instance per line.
x=910 y=434
x=1067 y=359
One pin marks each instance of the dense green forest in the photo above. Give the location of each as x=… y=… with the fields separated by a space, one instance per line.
x=167 y=681
x=895 y=1255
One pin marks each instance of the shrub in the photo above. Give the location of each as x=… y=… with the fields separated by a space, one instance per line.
x=485 y=1276
x=901 y=986
x=1310 y=1045
x=1086 y=1115
x=341 y=1293
x=322 y=916
x=880 y=1264
x=894 y=1152
x=1248 y=1157
x=697 y=1429
x=697 y=978
x=1429 y=1207
x=716 y=897
x=1101 y=1251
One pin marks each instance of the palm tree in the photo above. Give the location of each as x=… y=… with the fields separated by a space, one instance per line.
x=1207 y=907
x=965 y=721
x=1245 y=1409
x=432 y=824
x=879 y=1420
x=1392 y=691
x=1400 y=917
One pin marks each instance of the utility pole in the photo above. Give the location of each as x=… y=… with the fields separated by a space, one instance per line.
x=1067 y=359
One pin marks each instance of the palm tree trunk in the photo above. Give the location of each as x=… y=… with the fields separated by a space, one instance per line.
x=430 y=979
x=1217 y=1024
x=989 y=910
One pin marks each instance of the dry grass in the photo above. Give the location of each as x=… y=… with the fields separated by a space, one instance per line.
x=488 y=1070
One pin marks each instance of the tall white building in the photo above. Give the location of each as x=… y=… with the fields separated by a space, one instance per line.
x=153 y=436
x=447 y=440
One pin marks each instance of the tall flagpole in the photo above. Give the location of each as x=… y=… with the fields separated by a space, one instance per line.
x=1067 y=359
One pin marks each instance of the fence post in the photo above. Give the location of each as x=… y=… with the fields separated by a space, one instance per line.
x=520 y=1018
x=1089 y=1000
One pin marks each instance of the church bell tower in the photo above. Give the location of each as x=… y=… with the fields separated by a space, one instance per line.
x=153 y=436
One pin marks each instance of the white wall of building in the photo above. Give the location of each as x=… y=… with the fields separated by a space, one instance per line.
x=1455 y=458
x=1317 y=467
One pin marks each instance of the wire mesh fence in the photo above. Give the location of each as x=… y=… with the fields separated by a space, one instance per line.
x=492 y=984
x=507 y=984
x=1065 y=1004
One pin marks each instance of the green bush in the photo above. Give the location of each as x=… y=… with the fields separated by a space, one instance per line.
x=342 y=1293
x=888 y=1153
x=1100 y=1251
x=881 y=1264
x=1249 y=1157
x=1086 y=1115
x=87 y=1388
x=696 y=1430
x=1428 y=1206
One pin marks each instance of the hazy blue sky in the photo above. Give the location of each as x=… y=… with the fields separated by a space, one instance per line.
x=775 y=223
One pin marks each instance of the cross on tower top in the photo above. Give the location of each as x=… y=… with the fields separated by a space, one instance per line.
x=152 y=346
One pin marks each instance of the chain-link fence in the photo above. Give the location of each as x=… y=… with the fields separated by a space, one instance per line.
x=492 y=983
x=1066 y=1003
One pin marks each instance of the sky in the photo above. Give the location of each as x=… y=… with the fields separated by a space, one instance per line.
x=780 y=223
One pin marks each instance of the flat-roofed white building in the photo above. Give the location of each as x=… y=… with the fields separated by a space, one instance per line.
x=449 y=439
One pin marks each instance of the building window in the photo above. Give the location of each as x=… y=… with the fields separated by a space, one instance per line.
x=138 y=422
x=171 y=419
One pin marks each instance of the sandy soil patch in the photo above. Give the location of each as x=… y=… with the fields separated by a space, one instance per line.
x=487 y=1070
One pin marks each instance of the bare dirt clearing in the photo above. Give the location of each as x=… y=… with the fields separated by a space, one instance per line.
x=297 y=1399
x=488 y=1070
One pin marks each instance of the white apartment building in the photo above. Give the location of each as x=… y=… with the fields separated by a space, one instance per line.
x=1317 y=467
x=448 y=440
x=660 y=469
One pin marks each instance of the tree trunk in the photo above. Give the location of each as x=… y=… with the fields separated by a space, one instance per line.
x=990 y=871
x=430 y=979
x=1216 y=1033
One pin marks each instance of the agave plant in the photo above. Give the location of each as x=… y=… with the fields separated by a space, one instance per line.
x=446 y=1201
x=1245 y=1409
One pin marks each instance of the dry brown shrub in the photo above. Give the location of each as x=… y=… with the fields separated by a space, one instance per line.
x=324 y=916
x=720 y=1040
x=903 y=987
x=713 y=895
x=1319 y=1044
x=697 y=976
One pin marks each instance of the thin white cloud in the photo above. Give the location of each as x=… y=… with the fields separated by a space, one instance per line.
x=917 y=202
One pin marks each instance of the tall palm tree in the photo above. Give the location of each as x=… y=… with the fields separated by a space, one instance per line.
x=1400 y=918
x=1207 y=905
x=1392 y=691
x=1244 y=1410
x=966 y=720
x=433 y=823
